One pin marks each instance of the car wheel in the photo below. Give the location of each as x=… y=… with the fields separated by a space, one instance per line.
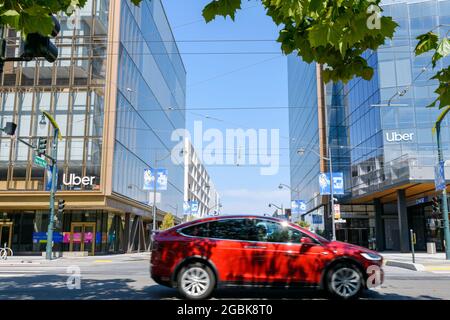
x=196 y=281
x=345 y=281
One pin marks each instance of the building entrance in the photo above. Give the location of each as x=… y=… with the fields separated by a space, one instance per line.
x=82 y=237
x=6 y=229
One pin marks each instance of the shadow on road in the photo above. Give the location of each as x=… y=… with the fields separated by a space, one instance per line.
x=54 y=287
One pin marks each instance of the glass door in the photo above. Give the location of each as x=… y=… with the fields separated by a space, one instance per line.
x=82 y=237
x=6 y=229
x=89 y=237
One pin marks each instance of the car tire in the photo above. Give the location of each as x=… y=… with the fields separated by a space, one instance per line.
x=196 y=281
x=344 y=281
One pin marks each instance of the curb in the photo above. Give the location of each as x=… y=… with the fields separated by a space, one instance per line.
x=405 y=265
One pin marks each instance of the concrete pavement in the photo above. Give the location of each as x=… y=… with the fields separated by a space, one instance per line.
x=423 y=261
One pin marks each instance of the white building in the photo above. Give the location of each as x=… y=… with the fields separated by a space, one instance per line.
x=198 y=185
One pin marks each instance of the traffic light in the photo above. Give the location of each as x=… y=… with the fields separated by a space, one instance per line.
x=435 y=205
x=38 y=46
x=61 y=206
x=41 y=146
x=10 y=128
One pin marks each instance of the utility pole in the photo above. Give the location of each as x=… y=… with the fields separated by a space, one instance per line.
x=53 y=159
x=444 y=196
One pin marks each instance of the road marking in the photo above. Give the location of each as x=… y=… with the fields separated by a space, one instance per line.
x=437 y=268
x=102 y=261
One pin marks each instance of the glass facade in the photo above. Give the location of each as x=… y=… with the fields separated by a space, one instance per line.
x=379 y=131
x=151 y=103
x=72 y=90
x=303 y=132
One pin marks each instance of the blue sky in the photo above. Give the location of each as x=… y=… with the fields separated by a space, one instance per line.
x=216 y=81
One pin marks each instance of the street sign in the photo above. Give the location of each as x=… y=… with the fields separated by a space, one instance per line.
x=338 y=183
x=340 y=221
x=337 y=211
x=439 y=176
x=298 y=207
x=40 y=162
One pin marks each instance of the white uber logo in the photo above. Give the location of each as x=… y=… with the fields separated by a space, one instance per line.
x=75 y=180
x=399 y=137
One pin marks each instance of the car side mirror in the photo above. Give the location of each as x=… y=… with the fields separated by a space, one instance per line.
x=306 y=240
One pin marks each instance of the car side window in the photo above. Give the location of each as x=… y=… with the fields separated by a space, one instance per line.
x=198 y=230
x=230 y=229
x=271 y=231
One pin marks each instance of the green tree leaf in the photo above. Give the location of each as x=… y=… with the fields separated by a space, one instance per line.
x=427 y=42
x=221 y=8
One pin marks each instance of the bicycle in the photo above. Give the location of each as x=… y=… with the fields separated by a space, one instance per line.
x=5 y=252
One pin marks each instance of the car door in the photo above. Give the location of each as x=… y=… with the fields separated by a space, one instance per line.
x=287 y=259
x=236 y=257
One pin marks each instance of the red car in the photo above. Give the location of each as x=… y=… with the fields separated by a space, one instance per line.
x=198 y=256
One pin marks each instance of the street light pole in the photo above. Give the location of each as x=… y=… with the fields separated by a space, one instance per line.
x=333 y=228
x=154 y=194
x=444 y=196
x=301 y=151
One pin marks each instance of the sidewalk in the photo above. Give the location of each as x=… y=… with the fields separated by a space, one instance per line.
x=423 y=262
x=40 y=261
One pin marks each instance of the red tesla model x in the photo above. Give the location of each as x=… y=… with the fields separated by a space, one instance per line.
x=198 y=256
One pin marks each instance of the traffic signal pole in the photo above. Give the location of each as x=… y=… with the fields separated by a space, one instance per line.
x=51 y=222
x=444 y=196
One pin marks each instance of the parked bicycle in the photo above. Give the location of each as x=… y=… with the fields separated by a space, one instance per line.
x=5 y=252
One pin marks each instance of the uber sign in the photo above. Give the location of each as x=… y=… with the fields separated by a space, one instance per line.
x=399 y=137
x=75 y=180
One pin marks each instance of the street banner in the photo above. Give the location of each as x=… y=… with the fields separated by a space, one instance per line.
x=298 y=207
x=161 y=179
x=439 y=176
x=317 y=219
x=186 y=208
x=194 y=207
x=338 y=183
x=49 y=172
x=190 y=208
x=337 y=211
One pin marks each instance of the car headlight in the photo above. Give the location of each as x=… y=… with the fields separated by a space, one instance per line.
x=371 y=256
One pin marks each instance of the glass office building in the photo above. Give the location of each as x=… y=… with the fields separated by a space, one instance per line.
x=117 y=91
x=304 y=133
x=381 y=133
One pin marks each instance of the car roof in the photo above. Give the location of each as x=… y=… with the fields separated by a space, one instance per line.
x=225 y=217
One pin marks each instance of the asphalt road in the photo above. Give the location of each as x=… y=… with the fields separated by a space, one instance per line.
x=129 y=279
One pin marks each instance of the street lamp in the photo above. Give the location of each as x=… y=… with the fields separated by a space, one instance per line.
x=282 y=185
x=279 y=208
x=301 y=152
x=219 y=205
